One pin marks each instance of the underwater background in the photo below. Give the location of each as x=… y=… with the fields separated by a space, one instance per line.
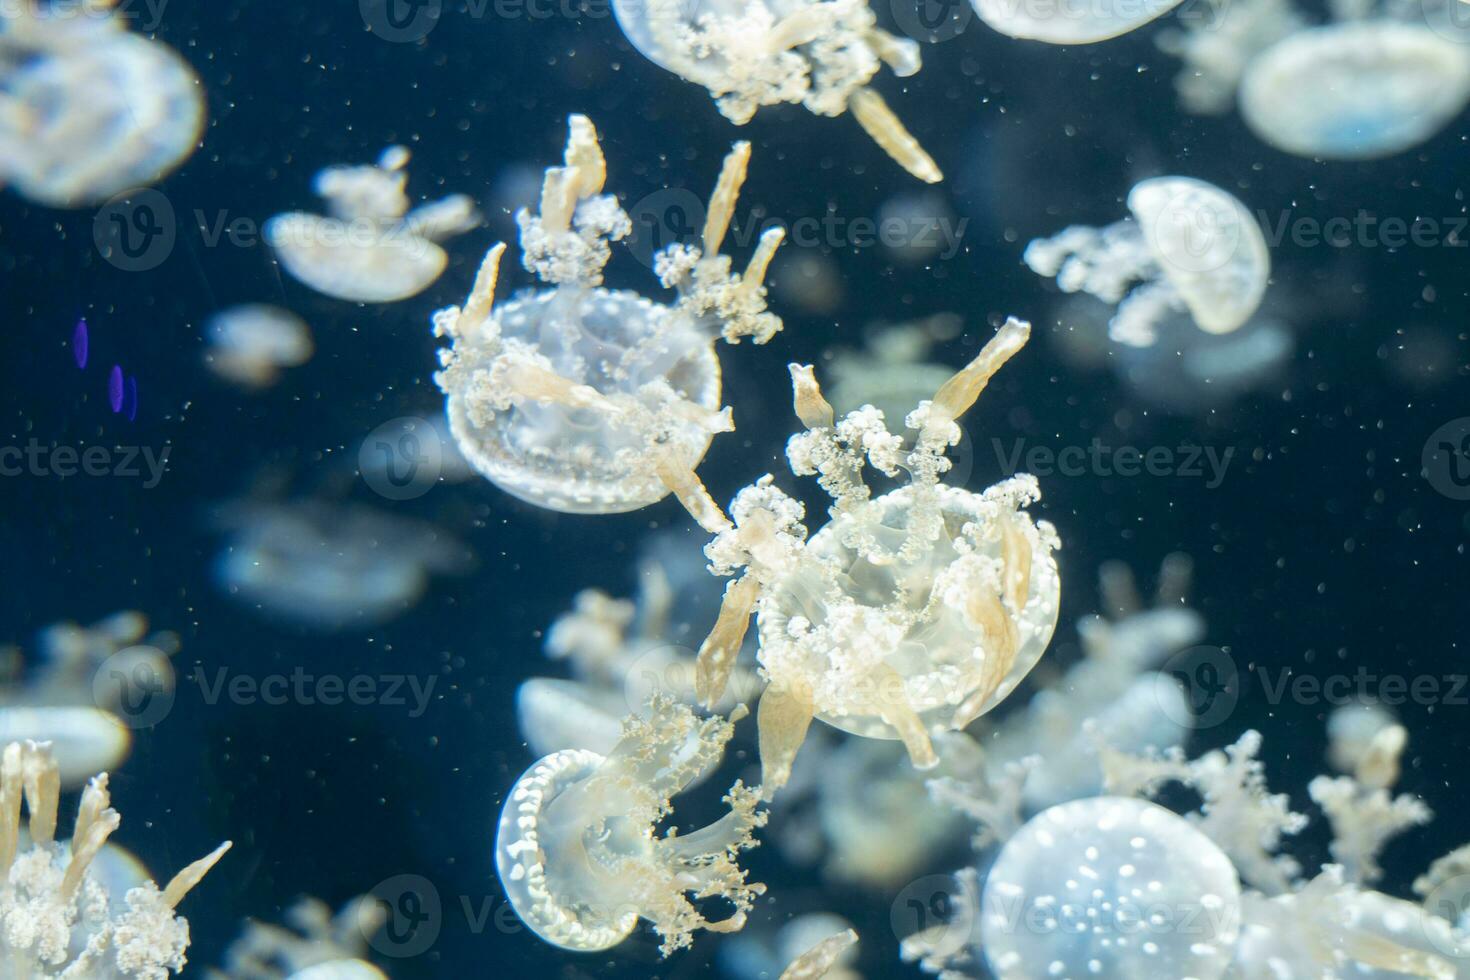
x=1326 y=545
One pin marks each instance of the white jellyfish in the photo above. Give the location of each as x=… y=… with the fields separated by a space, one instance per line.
x=1189 y=246
x=250 y=344
x=577 y=850
x=317 y=944
x=75 y=696
x=811 y=946
x=61 y=922
x=330 y=566
x=752 y=53
x=577 y=397
x=1069 y=21
x=370 y=248
x=1111 y=887
x=87 y=109
x=914 y=611
x=1355 y=91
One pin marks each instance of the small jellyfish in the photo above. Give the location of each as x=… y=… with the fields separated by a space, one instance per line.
x=250 y=344
x=1356 y=90
x=61 y=921
x=917 y=610
x=370 y=248
x=317 y=944
x=87 y=109
x=577 y=397
x=1109 y=887
x=1069 y=21
x=1188 y=247
x=577 y=850
x=820 y=53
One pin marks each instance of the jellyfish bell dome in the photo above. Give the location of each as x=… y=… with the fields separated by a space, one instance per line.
x=583 y=460
x=353 y=263
x=1069 y=21
x=1355 y=91
x=1209 y=246
x=1109 y=887
x=935 y=640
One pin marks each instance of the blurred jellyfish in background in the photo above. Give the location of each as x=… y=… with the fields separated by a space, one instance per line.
x=808 y=281
x=316 y=944
x=1380 y=79
x=1069 y=21
x=819 y=53
x=812 y=946
x=1188 y=247
x=620 y=654
x=251 y=344
x=909 y=613
x=584 y=399
x=915 y=227
x=369 y=248
x=577 y=848
x=89 y=109
x=1424 y=357
x=63 y=920
x=890 y=372
x=88 y=684
x=330 y=565
x=1209 y=894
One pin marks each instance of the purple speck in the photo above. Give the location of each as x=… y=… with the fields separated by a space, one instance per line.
x=115 y=388
x=79 y=343
x=132 y=398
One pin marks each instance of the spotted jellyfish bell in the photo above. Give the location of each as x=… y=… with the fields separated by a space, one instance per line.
x=584 y=399
x=1356 y=90
x=752 y=53
x=88 y=109
x=370 y=248
x=1069 y=21
x=913 y=612
x=1189 y=246
x=576 y=848
x=1109 y=887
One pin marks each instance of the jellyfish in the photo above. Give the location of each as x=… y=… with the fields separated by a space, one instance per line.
x=576 y=397
x=1188 y=247
x=822 y=944
x=577 y=850
x=250 y=344
x=1356 y=90
x=81 y=693
x=917 y=610
x=316 y=944
x=87 y=109
x=892 y=372
x=1069 y=21
x=330 y=566
x=60 y=920
x=1112 y=887
x=820 y=53
x=370 y=248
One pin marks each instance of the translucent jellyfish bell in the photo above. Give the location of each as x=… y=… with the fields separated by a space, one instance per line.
x=1069 y=21
x=88 y=109
x=1355 y=91
x=1189 y=246
x=915 y=611
x=576 y=848
x=751 y=53
x=578 y=398
x=1109 y=887
x=250 y=344
x=370 y=248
